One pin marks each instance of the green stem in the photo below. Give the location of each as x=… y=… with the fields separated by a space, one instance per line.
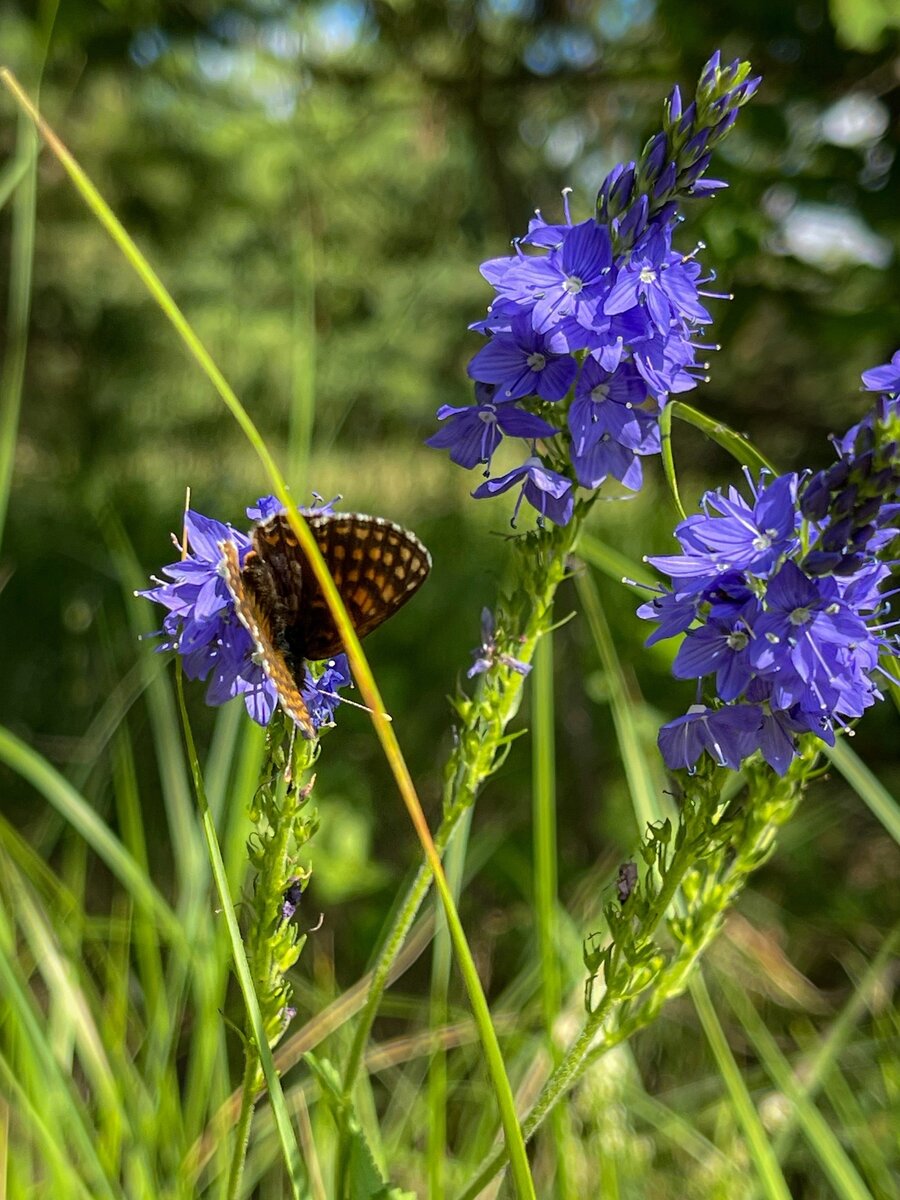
x=740 y=1100
x=12 y=377
x=245 y=1118
x=544 y=830
x=22 y=180
x=439 y=1018
x=544 y=841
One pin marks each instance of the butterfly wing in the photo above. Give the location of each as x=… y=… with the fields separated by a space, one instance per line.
x=376 y=567
x=261 y=606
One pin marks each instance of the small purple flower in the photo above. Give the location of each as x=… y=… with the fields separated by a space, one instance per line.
x=269 y=506
x=521 y=363
x=320 y=694
x=474 y=431
x=611 y=290
x=290 y=901
x=796 y=646
x=675 y=612
x=803 y=621
x=488 y=654
x=608 y=457
x=736 y=535
x=731 y=534
x=573 y=279
x=552 y=494
x=885 y=378
x=720 y=647
x=605 y=402
x=727 y=734
x=664 y=281
x=265 y=507
x=197 y=598
x=666 y=364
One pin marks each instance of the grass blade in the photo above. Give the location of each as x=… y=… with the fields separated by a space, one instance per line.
x=76 y=811
x=645 y=787
x=12 y=376
x=829 y=1153
x=761 y=1154
x=873 y=794
x=362 y=672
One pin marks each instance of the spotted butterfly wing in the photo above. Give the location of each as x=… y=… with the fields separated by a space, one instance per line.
x=376 y=567
x=257 y=614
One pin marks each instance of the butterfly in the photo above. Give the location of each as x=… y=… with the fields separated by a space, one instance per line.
x=376 y=567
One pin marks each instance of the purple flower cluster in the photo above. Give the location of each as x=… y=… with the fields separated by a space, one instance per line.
x=781 y=602
x=598 y=318
x=201 y=625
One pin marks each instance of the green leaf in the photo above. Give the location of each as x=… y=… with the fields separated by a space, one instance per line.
x=668 y=459
x=729 y=439
x=363 y=1178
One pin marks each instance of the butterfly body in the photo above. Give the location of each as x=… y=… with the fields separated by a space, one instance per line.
x=376 y=566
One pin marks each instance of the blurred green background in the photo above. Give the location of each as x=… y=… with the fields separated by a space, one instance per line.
x=317 y=185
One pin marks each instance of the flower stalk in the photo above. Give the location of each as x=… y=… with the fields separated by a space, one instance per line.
x=283 y=823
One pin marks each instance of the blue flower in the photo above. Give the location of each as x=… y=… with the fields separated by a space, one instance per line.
x=605 y=402
x=609 y=296
x=732 y=534
x=549 y=492
x=854 y=502
x=474 y=431
x=521 y=363
x=811 y=642
x=607 y=457
x=755 y=537
x=885 y=378
x=667 y=364
x=664 y=281
x=197 y=599
x=320 y=693
x=265 y=507
x=726 y=733
x=573 y=279
x=721 y=647
x=269 y=506
x=801 y=647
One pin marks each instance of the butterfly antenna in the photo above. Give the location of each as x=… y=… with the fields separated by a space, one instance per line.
x=354 y=704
